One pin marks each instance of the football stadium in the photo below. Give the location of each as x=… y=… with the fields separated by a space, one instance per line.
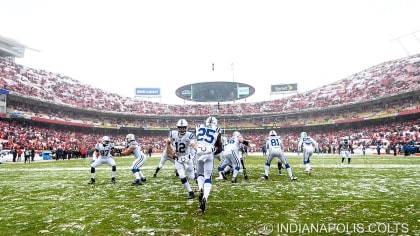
x=340 y=159
x=52 y=123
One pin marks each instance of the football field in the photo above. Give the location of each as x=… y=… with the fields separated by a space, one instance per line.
x=375 y=196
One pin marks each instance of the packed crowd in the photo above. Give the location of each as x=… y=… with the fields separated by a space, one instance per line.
x=393 y=77
x=21 y=135
x=389 y=78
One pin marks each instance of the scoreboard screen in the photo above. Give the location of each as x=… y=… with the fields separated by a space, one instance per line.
x=215 y=91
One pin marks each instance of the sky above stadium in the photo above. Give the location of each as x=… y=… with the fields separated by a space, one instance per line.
x=122 y=45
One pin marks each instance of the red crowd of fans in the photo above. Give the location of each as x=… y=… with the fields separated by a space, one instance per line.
x=24 y=136
x=389 y=78
x=386 y=79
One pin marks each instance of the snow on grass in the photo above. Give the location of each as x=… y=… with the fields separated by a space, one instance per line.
x=53 y=197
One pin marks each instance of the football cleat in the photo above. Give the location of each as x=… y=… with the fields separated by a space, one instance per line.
x=280 y=172
x=154 y=175
x=113 y=180
x=92 y=181
x=191 y=195
x=203 y=205
x=224 y=175
x=349 y=165
x=342 y=164
x=136 y=183
x=293 y=178
x=265 y=177
x=234 y=180
x=219 y=178
x=143 y=179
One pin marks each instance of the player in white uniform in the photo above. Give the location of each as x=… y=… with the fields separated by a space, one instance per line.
x=274 y=146
x=344 y=148
x=209 y=143
x=103 y=155
x=164 y=158
x=221 y=168
x=133 y=147
x=308 y=145
x=182 y=141
x=232 y=156
x=242 y=154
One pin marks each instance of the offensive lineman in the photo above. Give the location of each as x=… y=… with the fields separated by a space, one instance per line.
x=103 y=155
x=134 y=148
x=232 y=156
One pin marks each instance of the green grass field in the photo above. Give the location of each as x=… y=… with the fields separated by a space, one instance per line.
x=376 y=196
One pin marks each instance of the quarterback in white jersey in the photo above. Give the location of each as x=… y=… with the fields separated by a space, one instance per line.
x=209 y=143
x=232 y=156
x=134 y=148
x=308 y=145
x=164 y=158
x=344 y=148
x=274 y=146
x=182 y=141
x=103 y=155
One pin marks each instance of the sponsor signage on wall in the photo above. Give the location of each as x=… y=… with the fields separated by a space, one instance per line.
x=284 y=88
x=147 y=92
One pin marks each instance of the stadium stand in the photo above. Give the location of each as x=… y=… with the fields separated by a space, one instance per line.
x=378 y=105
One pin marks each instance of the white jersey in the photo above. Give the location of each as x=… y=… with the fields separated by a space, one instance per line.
x=345 y=146
x=274 y=142
x=206 y=138
x=274 y=145
x=182 y=143
x=307 y=143
x=137 y=150
x=139 y=157
x=104 y=151
x=233 y=145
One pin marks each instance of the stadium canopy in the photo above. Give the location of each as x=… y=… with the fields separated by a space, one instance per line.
x=12 y=48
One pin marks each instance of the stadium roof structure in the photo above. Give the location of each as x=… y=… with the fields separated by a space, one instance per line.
x=12 y=48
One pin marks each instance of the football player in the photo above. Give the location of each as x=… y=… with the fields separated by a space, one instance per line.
x=163 y=158
x=209 y=143
x=222 y=161
x=133 y=147
x=182 y=141
x=103 y=155
x=274 y=146
x=232 y=156
x=344 y=148
x=308 y=145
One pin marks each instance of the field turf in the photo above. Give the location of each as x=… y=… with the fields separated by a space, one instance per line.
x=375 y=196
